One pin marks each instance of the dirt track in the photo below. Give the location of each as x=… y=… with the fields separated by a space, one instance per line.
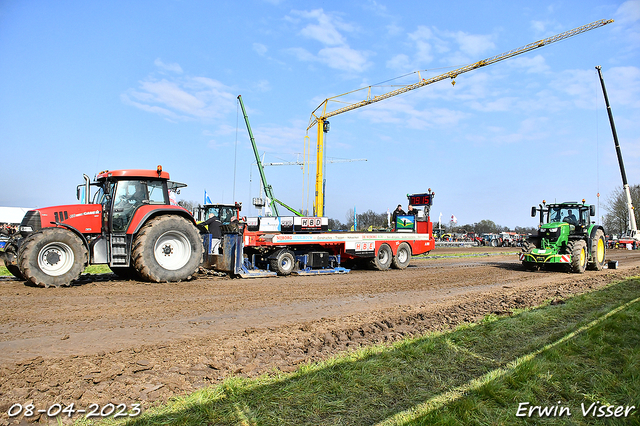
x=126 y=342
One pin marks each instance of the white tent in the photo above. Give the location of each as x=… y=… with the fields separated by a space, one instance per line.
x=12 y=215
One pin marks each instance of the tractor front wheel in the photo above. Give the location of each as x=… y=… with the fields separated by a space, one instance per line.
x=598 y=251
x=167 y=249
x=52 y=257
x=578 y=250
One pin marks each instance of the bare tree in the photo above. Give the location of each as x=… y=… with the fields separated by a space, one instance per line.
x=189 y=205
x=372 y=219
x=349 y=218
x=616 y=221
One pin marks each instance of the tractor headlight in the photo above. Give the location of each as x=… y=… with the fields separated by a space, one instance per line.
x=552 y=230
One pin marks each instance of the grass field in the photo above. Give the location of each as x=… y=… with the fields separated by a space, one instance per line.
x=93 y=269
x=558 y=358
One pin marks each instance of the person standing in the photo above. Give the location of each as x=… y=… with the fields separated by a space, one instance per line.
x=397 y=212
x=411 y=210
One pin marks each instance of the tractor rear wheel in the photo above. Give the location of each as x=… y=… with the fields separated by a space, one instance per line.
x=403 y=256
x=167 y=249
x=283 y=263
x=52 y=257
x=578 y=250
x=382 y=259
x=598 y=251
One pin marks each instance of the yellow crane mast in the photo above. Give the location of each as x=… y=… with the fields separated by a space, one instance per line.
x=320 y=115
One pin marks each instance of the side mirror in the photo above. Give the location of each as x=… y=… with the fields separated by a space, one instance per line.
x=533 y=211
x=592 y=210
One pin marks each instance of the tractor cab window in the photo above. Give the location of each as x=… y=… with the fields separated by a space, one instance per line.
x=222 y=213
x=129 y=195
x=584 y=217
x=564 y=214
x=104 y=193
x=157 y=194
x=99 y=196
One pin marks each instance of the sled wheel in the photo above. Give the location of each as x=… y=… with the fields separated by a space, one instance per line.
x=403 y=256
x=382 y=260
x=283 y=263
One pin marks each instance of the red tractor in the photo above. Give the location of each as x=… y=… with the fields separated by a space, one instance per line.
x=131 y=225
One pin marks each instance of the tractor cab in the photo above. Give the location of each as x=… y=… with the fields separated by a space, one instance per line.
x=225 y=213
x=560 y=221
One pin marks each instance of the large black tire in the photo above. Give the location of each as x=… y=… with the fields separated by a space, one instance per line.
x=382 y=260
x=283 y=263
x=403 y=256
x=598 y=251
x=167 y=249
x=578 y=250
x=11 y=261
x=52 y=257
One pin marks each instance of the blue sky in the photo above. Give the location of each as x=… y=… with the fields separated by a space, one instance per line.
x=89 y=86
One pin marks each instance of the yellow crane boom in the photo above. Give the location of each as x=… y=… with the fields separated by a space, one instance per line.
x=320 y=115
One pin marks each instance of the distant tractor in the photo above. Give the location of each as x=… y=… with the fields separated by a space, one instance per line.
x=130 y=225
x=565 y=236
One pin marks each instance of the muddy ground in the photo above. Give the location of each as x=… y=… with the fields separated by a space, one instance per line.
x=110 y=341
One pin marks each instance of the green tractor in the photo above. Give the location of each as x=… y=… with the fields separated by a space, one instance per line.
x=565 y=236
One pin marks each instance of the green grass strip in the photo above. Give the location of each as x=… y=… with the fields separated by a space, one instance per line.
x=582 y=352
x=439 y=401
x=91 y=269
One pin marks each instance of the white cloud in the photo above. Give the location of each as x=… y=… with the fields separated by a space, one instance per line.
x=168 y=67
x=473 y=45
x=532 y=64
x=262 y=85
x=328 y=36
x=260 y=49
x=579 y=85
x=399 y=62
x=182 y=98
x=302 y=54
x=624 y=89
x=628 y=12
x=627 y=17
x=328 y=30
x=450 y=47
x=344 y=58
x=421 y=39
